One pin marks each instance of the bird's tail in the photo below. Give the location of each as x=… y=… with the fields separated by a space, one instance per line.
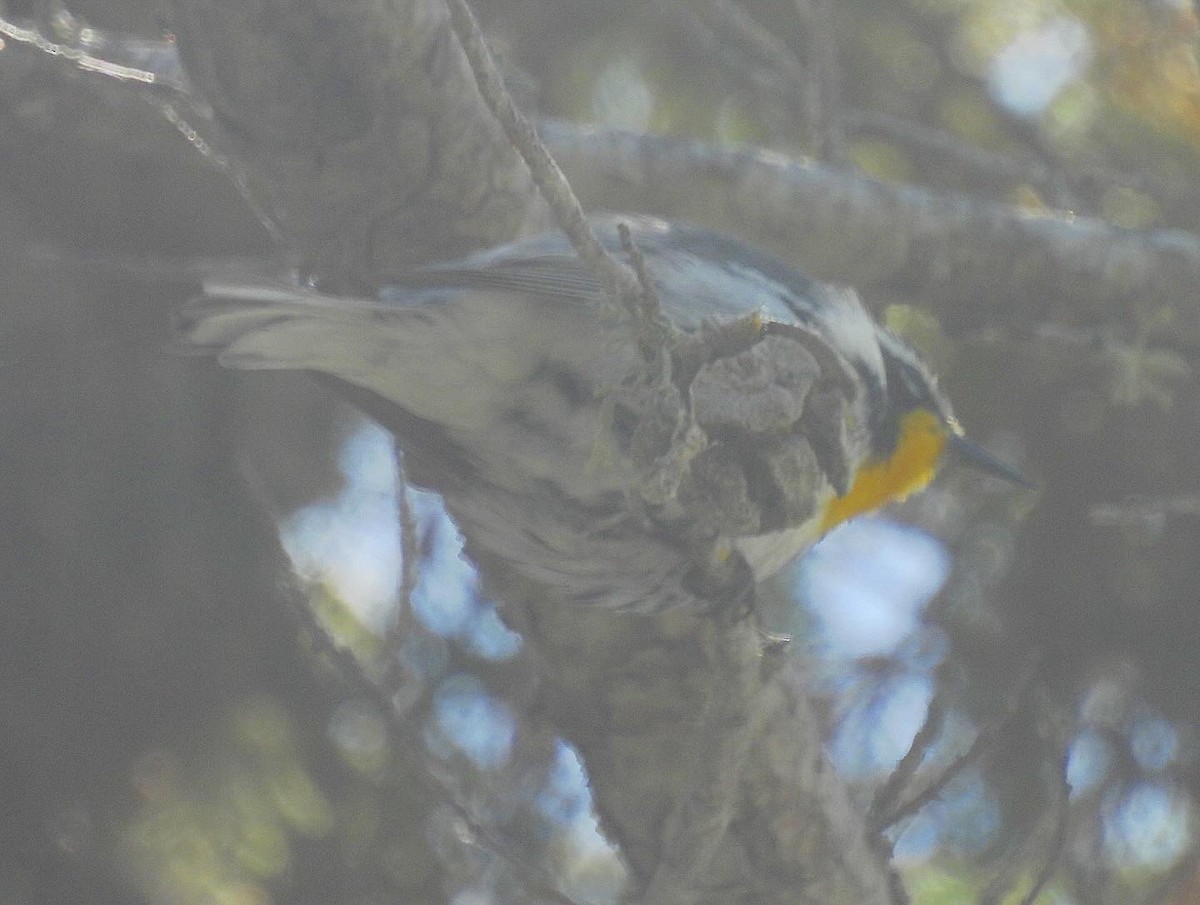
x=417 y=352
x=267 y=327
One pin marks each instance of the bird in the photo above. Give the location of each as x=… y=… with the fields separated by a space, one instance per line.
x=605 y=470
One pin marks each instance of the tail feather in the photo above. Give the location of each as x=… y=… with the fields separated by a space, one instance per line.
x=227 y=312
x=428 y=358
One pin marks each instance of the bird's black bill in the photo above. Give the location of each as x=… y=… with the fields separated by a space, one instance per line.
x=975 y=456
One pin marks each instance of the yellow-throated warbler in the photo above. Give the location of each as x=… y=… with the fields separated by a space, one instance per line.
x=779 y=410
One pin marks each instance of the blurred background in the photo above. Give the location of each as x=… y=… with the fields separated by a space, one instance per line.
x=168 y=733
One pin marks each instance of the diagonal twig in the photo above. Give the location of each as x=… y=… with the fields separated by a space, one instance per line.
x=889 y=793
x=618 y=280
x=982 y=740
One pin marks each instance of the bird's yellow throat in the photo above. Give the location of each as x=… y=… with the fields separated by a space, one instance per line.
x=911 y=466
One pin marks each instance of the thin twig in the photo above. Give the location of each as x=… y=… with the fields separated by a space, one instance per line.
x=739 y=25
x=536 y=880
x=725 y=33
x=146 y=63
x=638 y=260
x=960 y=763
x=1058 y=841
x=402 y=729
x=398 y=675
x=654 y=334
x=619 y=282
x=887 y=794
x=1010 y=872
x=538 y=883
x=228 y=165
x=408 y=541
x=1181 y=883
x=806 y=89
x=821 y=89
x=937 y=143
x=1015 y=865
x=1075 y=186
x=101 y=52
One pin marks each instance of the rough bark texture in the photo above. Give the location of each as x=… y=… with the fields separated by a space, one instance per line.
x=686 y=723
x=358 y=128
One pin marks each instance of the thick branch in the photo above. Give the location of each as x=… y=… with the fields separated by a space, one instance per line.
x=359 y=124
x=979 y=262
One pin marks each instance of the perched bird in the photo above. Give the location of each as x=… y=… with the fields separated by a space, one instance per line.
x=610 y=471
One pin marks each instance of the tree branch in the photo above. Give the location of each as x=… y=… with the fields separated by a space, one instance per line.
x=980 y=263
x=619 y=281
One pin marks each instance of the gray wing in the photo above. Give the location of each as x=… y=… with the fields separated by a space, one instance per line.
x=712 y=276
x=561 y=276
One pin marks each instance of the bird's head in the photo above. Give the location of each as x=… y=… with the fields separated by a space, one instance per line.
x=913 y=432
